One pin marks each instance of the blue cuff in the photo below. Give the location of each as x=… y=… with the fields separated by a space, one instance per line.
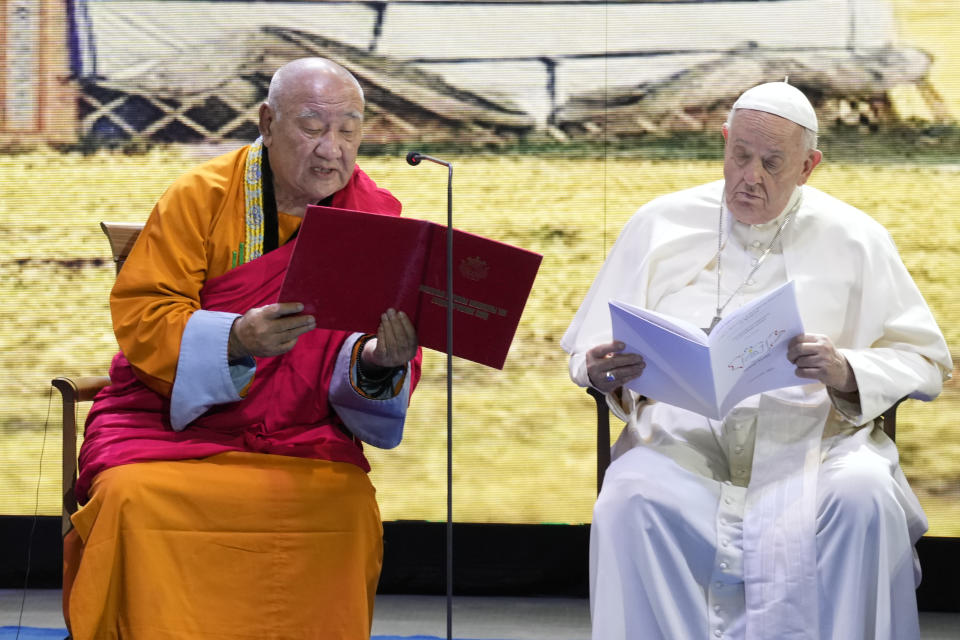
x=204 y=378
x=377 y=421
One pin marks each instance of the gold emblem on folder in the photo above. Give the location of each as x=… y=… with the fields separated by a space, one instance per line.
x=474 y=268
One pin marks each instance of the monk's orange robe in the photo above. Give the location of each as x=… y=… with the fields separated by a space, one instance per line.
x=235 y=545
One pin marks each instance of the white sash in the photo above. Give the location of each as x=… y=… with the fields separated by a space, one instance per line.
x=779 y=526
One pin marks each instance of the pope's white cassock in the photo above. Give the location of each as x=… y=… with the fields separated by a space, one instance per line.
x=790 y=518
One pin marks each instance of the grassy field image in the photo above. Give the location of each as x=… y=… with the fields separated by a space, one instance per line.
x=524 y=437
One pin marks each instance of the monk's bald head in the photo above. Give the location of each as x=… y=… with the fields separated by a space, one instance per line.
x=314 y=75
x=312 y=125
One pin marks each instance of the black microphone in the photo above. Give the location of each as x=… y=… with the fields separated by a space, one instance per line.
x=415 y=157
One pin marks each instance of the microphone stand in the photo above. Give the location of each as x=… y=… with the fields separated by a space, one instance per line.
x=414 y=158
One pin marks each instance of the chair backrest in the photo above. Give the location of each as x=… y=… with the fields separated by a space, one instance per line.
x=122 y=236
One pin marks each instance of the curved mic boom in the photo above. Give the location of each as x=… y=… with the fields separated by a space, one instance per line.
x=415 y=157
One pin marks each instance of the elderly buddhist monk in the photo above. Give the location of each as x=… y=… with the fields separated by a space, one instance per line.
x=789 y=518
x=222 y=479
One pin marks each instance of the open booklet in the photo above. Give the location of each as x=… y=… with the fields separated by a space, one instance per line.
x=745 y=354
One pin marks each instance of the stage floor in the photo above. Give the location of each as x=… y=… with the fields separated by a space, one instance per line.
x=473 y=617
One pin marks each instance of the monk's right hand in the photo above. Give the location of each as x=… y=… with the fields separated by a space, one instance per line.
x=268 y=331
x=609 y=369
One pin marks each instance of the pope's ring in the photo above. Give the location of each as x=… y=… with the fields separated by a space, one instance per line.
x=610 y=377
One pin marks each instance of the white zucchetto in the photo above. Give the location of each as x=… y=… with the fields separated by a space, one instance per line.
x=780 y=99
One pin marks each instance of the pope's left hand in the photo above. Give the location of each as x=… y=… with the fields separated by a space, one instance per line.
x=395 y=344
x=815 y=356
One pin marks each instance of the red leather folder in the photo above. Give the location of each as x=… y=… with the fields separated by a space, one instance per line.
x=348 y=267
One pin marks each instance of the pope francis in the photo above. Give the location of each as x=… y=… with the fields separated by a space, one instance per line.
x=790 y=518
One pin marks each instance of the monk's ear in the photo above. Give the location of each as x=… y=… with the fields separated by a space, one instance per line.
x=265 y=124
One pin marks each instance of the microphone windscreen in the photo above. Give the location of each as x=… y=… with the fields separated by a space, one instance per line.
x=413 y=158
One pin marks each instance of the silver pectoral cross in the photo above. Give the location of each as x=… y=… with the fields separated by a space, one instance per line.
x=713 y=323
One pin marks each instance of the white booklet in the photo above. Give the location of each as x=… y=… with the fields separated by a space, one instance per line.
x=745 y=354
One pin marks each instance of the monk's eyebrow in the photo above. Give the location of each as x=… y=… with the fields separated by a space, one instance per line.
x=313 y=113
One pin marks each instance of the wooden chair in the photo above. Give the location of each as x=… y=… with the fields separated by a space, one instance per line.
x=122 y=237
x=889 y=422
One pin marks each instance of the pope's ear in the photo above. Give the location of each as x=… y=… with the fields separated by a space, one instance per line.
x=725 y=130
x=814 y=157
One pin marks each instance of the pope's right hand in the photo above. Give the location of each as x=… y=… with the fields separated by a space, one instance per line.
x=609 y=369
x=268 y=331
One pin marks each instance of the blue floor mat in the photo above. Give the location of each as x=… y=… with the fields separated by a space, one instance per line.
x=32 y=633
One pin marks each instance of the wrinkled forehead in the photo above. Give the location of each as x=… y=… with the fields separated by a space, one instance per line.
x=750 y=124
x=321 y=94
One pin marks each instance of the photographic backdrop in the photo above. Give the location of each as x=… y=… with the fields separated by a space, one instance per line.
x=561 y=119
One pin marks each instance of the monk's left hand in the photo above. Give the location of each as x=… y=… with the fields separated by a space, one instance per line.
x=815 y=356
x=395 y=344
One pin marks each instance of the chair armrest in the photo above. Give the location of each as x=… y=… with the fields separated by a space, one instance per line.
x=888 y=423
x=73 y=390
x=81 y=389
x=889 y=419
x=603 y=435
